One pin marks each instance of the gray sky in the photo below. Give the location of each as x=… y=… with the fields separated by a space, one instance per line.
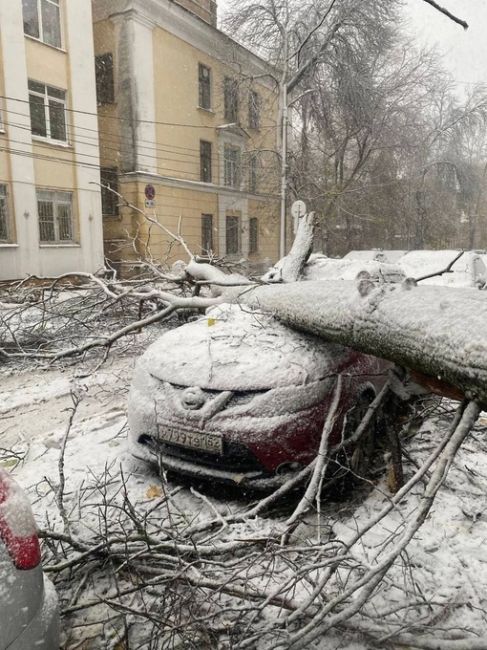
x=465 y=52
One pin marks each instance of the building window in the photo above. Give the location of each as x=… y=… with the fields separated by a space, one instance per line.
x=42 y=20
x=207 y=233
x=47 y=111
x=232 y=235
x=254 y=110
x=55 y=216
x=204 y=82
x=3 y=213
x=231 y=166
x=105 y=87
x=253 y=174
x=205 y=161
x=109 y=200
x=253 y=235
x=230 y=100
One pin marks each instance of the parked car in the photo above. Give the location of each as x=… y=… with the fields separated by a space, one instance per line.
x=468 y=271
x=29 y=615
x=391 y=256
x=238 y=397
x=320 y=267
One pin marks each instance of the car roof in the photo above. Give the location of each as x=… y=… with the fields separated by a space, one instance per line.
x=320 y=267
x=240 y=350
x=424 y=262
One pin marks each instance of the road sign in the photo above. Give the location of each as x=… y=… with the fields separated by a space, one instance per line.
x=298 y=210
x=150 y=192
x=150 y=203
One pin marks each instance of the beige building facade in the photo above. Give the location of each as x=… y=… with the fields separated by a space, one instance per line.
x=188 y=134
x=50 y=203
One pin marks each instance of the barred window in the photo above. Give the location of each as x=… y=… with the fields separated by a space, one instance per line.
x=230 y=100
x=253 y=235
x=207 y=233
x=109 y=200
x=205 y=162
x=204 y=83
x=42 y=20
x=3 y=213
x=47 y=111
x=254 y=110
x=232 y=235
x=55 y=216
x=105 y=86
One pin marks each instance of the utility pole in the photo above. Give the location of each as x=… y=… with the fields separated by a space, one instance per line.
x=284 y=126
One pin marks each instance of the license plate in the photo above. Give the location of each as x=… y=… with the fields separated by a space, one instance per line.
x=203 y=441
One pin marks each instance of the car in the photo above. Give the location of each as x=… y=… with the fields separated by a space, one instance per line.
x=320 y=267
x=238 y=397
x=29 y=614
x=469 y=269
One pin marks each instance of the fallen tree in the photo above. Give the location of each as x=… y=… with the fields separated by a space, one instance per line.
x=437 y=331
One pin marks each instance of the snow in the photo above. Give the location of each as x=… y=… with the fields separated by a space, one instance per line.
x=468 y=270
x=235 y=349
x=441 y=588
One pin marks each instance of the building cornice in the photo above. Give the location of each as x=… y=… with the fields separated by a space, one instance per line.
x=196 y=186
x=180 y=22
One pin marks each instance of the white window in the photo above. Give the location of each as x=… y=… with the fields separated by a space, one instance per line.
x=3 y=213
x=55 y=216
x=47 y=111
x=42 y=20
x=231 y=166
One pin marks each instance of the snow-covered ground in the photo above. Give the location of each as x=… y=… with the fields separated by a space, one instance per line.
x=439 y=586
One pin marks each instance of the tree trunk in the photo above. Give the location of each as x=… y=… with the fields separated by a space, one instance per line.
x=437 y=331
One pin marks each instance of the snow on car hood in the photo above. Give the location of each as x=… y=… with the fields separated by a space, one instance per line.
x=233 y=349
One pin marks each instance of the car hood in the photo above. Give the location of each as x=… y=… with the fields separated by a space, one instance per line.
x=233 y=349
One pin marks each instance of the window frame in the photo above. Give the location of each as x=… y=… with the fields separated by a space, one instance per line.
x=102 y=97
x=57 y=200
x=235 y=219
x=232 y=169
x=230 y=100
x=254 y=110
x=253 y=175
x=202 y=85
x=4 y=214
x=253 y=235
x=113 y=200
x=39 y=4
x=207 y=233
x=46 y=103
x=206 y=171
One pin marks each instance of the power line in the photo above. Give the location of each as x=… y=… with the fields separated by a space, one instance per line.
x=126 y=119
x=88 y=165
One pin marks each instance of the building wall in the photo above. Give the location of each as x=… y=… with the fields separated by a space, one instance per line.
x=152 y=131
x=28 y=162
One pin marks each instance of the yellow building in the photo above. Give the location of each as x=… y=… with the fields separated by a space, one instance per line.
x=188 y=134
x=50 y=204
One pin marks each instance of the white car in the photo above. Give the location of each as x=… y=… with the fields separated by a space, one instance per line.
x=468 y=271
x=29 y=614
x=320 y=267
